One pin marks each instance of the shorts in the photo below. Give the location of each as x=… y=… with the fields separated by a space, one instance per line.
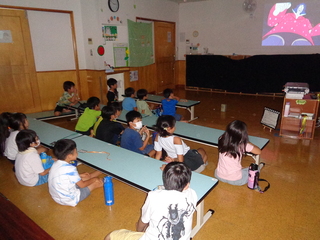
x=240 y=182
x=147 y=149
x=42 y=179
x=177 y=117
x=84 y=192
x=193 y=159
x=59 y=108
x=124 y=234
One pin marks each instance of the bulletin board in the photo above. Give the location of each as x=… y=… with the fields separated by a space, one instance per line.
x=120 y=54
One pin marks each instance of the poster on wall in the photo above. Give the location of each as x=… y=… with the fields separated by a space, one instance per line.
x=120 y=54
x=109 y=33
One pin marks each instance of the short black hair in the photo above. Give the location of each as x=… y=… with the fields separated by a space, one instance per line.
x=17 y=119
x=176 y=176
x=67 y=85
x=111 y=82
x=141 y=93
x=63 y=147
x=24 y=138
x=132 y=115
x=129 y=91
x=167 y=92
x=92 y=102
x=116 y=105
x=107 y=112
x=5 y=119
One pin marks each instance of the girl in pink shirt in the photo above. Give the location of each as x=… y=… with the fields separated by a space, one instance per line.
x=232 y=145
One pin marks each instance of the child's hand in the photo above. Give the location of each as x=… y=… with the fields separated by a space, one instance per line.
x=85 y=176
x=163 y=166
x=168 y=159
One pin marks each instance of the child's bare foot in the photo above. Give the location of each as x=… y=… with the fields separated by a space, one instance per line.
x=66 y=110
x=96 y=184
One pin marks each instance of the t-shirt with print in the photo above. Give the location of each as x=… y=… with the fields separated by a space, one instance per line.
x=169 y=106
x=129 y=104
x=62 y=183
x=28 y=165
x=229 y=168
x=87 y=119
x=169 y=214
x=64 y=100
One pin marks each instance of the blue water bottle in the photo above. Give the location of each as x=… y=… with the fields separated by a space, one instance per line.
x=108 y=190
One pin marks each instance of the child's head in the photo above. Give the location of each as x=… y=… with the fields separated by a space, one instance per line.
x=142 y=94
x=27 y=138
x=93 y=103
x=129 y=92
x=107 y=112
x=167 y=92
x=134 y=119
x=235 y=139
x=165 y=125
x=5 y=120
x=19 y=121
x=117 y=108
x=65 y=149
x=176 y=176
x=68 y=85
x=112 y=83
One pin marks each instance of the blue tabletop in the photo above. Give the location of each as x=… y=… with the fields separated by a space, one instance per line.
x=132 y=168
x=196 y=133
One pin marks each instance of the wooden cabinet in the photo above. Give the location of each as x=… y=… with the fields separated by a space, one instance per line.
x=301 y=120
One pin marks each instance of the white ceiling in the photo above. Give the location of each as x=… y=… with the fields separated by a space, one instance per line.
x=185 y=1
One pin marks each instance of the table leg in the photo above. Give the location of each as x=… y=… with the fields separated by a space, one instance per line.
x=201 y=218
x=191 y=110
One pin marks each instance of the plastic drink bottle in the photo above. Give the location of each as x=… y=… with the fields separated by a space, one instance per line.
x=108 y=190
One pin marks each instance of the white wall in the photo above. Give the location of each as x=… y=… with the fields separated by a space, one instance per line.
x=89 y=16
x=225 y=28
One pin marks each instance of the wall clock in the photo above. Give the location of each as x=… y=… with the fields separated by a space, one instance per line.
x=113 y=5
x=195 y=33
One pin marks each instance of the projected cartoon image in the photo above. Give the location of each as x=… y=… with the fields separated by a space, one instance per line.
x=290 y=27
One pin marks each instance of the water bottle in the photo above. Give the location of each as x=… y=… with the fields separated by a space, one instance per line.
x=108 y=190
x=253 y=176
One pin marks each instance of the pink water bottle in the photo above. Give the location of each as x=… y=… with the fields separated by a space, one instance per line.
x=253 y=176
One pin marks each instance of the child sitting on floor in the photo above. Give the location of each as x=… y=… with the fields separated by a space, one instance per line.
x=29 y=169
x=69 y=98
x=89 y=117
x=142 y=105
x=169 y=104
x=131 y=137
x=232 y=145
x=167 y=213
x=108 y=129
x=129 y=103
x=66 y=185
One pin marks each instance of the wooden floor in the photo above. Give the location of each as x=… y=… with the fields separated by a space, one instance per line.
x=290 y=209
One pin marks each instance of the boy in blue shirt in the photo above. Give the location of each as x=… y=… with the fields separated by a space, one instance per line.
x=89 y=117
x=132 y=136
x=169 y=104
x=129 y=103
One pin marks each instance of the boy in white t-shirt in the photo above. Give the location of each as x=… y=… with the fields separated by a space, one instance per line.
x=28 y=165
x=66 y=185
x=166 y=214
